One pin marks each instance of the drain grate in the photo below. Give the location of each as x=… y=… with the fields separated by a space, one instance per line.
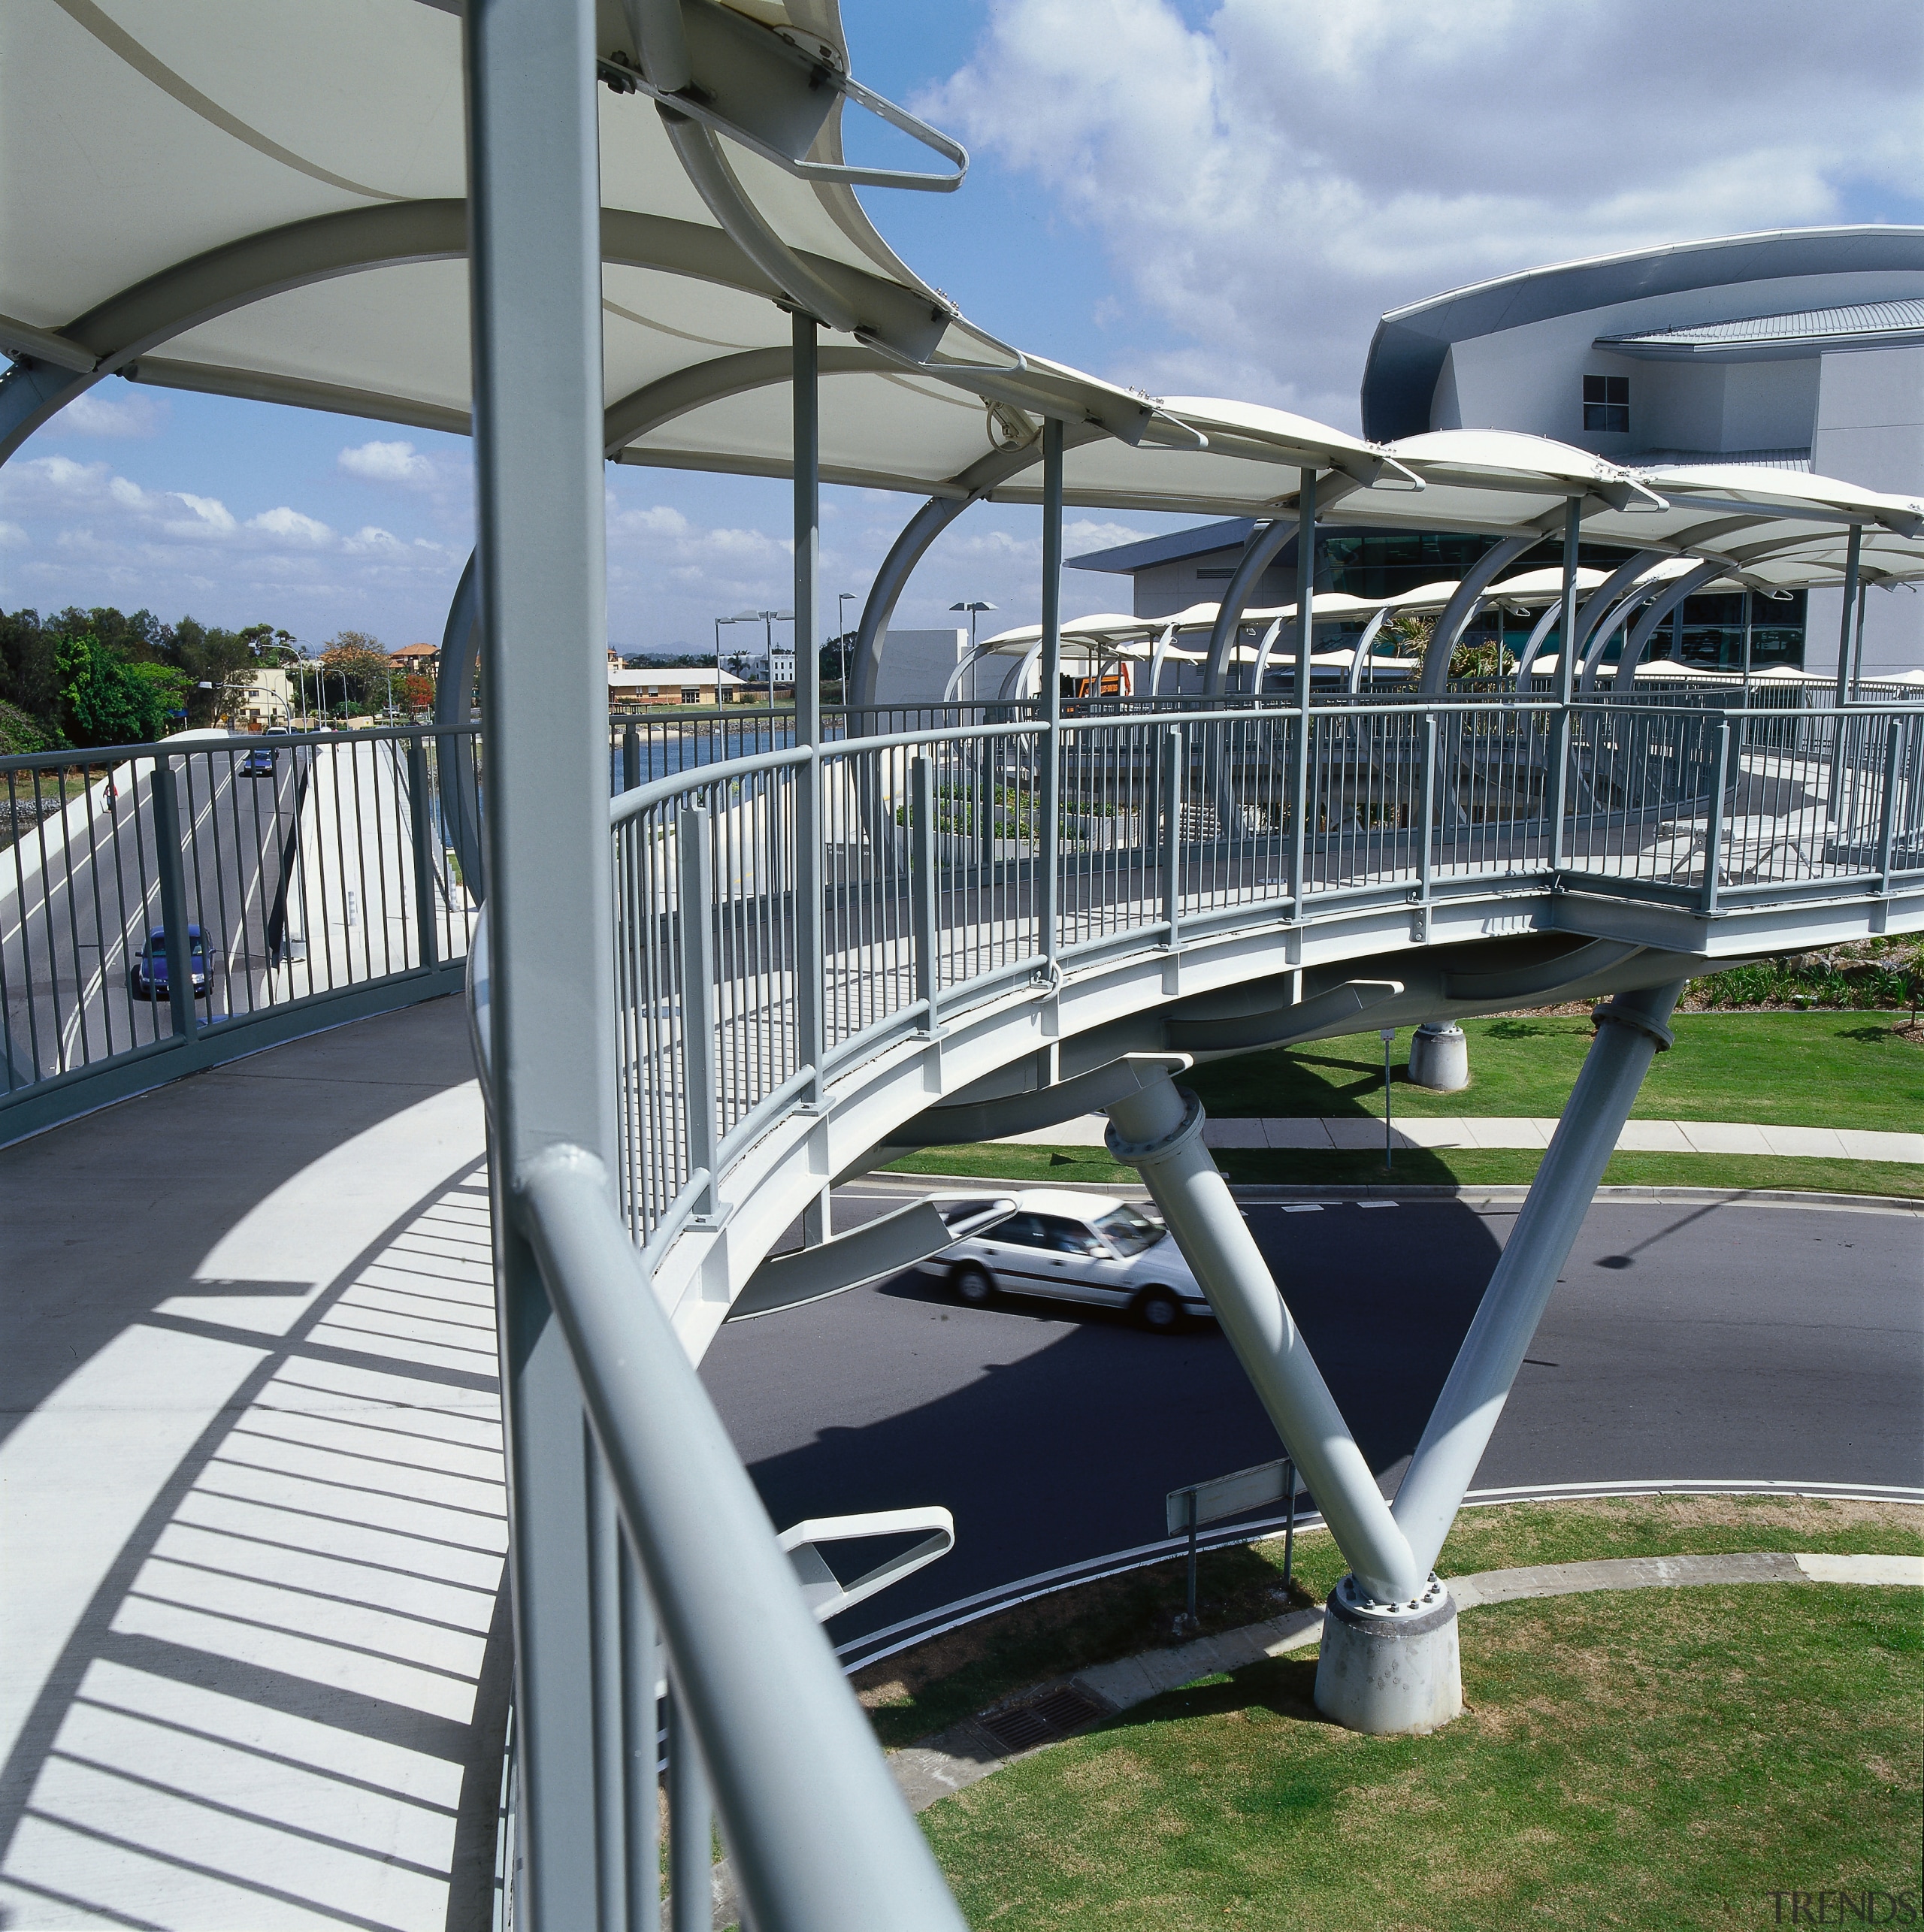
x=1057 y=1715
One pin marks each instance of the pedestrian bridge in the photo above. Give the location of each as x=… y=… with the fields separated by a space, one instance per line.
x=697 y=1006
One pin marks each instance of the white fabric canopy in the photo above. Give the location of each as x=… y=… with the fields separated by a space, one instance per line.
x=267 y=199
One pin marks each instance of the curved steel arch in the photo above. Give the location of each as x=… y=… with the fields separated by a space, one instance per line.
x=297 y=254
x=648 y=408
x=1257 y=555
x=1462 y=606
x=921 y=530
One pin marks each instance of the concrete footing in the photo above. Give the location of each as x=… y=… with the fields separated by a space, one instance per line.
x=1439 y=1057
x=1389 y=1669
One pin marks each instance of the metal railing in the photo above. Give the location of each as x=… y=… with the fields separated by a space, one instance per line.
x=942 y=880
x=702 y=1656
x=164 y=907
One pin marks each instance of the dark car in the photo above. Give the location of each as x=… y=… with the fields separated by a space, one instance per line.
x=259 y=764
x=149 y=971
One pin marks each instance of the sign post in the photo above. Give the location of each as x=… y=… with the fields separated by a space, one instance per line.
x=1388 y=1036
x=1187 y=1510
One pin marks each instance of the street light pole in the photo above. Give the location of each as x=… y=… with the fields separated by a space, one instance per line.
x=974 y=606
x=843 y=600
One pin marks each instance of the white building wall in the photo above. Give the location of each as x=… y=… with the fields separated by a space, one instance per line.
x=1529 y=378
x=1767 y=406
x=916 y=665
x=1871 y=429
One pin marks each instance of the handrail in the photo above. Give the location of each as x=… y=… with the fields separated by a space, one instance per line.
x=318 y=879
x=929 y=910
x=749 y=1663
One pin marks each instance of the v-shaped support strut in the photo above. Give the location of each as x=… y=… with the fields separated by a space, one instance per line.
x=1158 y=1129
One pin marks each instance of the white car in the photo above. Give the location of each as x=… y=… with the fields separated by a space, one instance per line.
x=1067 y=1247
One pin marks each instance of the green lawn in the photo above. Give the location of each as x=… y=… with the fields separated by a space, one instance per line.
x=924 y=1691
x=1647 y=1759
x=1469 y=1167
x=1778 y=1069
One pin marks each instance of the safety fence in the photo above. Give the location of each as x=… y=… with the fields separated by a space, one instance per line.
x=166 y=906
x=862 y=890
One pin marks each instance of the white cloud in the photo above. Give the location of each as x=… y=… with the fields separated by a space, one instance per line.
x=212 y=513
x=387 y=463
x=1268 y=183
x=84 y=533
x=126 y=412
x=291 y=527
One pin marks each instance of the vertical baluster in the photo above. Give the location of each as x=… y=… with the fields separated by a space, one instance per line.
x=691 y=1827
x=697 y=976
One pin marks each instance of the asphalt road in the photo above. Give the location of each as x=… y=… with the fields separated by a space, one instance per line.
x=68 y=940
x=1686 y=1340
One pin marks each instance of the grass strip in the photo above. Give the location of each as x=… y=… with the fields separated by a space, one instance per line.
x=927 y=1689
x=1462 y=1167
x=1773 y=1070
x=1648 y=1758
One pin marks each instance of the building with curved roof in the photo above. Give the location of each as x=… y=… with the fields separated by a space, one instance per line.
x=1799 y=350
x=1802 y=348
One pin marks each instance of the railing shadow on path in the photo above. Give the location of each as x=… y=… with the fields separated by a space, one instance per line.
x=261 y=1673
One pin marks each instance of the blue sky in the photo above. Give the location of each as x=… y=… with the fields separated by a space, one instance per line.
x=1196 y=200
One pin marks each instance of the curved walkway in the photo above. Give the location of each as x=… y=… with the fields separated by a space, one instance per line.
x=250 y=1495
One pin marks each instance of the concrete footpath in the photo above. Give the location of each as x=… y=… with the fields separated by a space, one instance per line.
x=251 y=1508
x=1363 y=1133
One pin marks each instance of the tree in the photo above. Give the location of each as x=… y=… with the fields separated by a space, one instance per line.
x=106 y=700
x=190 y=653
x=837 y=655
x=362 y=661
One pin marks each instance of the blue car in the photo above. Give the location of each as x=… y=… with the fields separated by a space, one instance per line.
x=149 y=970
x=258 y=763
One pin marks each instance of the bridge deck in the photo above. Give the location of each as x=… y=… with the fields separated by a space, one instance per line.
x=254 y=1675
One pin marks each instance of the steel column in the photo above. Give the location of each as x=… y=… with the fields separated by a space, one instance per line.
x=1048 y=894
x=1462 y=606
x=1887 y=814
x=640 y=1746
x=1558 y=790
x=1671 y=597
x=534 y=214
x=922 y=888
x=1633 y=1030
x=1264 y=543
x=691 y=1826
x=454 y=703
x=1543 y=626
x=1305 y=629
x=810 y=1021
x=1714 y=832
x=1158 y=1130
x=165 y=795
x=1173 y=761
x=818 y=1832
x=1857 y=653
x=701 y=1111
x=426 y=869
x=1854 y=557
x=1363 y=645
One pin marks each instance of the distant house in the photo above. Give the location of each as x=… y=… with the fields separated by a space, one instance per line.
x=669 y=683
x=261 y=696
x=422 y=657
